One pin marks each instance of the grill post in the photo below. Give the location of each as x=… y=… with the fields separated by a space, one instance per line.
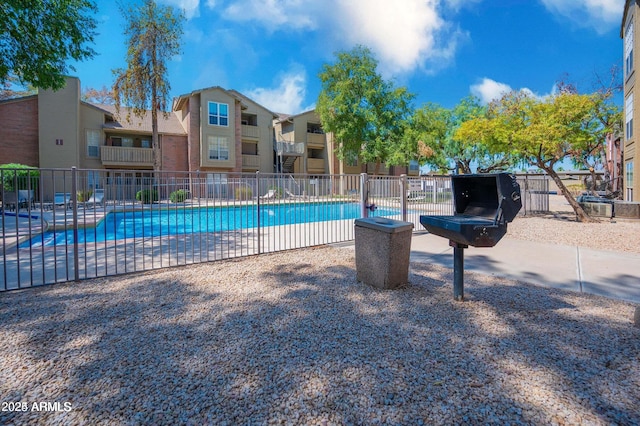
x=458 y=270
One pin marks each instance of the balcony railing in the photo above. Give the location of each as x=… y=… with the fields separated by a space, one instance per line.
x=250 y=131
x=316 y=140
x=315 y=165
x=251 y=162
x=125 y=156
x=288 y=148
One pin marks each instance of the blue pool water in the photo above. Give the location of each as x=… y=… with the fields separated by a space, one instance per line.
x=153 y=223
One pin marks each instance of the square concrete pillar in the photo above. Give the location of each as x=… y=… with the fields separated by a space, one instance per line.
x=383 y=247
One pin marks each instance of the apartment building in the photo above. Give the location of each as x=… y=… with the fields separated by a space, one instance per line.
x=302 y=146
x=58 y=130
x=631 y=43
x=226 y=131
x=212 y=130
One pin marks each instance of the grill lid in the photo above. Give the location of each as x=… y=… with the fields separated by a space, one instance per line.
x=494 y=196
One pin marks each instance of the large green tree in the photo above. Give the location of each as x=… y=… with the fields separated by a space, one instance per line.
x=426 y=135
x=604 y=122
x=432 y=132
x=39 y=37
x=542 y=132
x=365 y=113
x=153 y=34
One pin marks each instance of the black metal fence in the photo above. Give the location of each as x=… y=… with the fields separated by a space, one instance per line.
x=70 y=224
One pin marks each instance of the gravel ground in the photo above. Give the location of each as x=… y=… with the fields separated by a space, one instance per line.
x=561 y=227
x=619 y=235
x=293 y=338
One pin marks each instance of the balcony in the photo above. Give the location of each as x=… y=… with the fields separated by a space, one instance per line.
x=315 y=165
x=287 y=148
x=119 y=156
x=250 y=132
x=316 y=140
x=250 y=162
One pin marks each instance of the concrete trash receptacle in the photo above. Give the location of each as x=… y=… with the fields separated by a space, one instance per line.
x=383 y=248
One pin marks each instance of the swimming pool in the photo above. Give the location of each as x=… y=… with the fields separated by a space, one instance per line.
x=165 y=222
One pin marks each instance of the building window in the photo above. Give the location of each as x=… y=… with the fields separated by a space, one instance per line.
x=628 y=49
x=218 y=148
x=93 y=179
x=145 y=143
x=218 y=114
x=628 y=112
x=414 y=166
x=629 y=180
x=93 y=143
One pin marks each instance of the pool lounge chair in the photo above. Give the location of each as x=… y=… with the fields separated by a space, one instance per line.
x=10 y=201
x=96 y=199
x=62 y=199
x=25 y=199
x=291 y=195
x=270 y=195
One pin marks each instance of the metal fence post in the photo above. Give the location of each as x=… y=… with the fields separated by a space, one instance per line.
x=258 y=209
x=364 y=195
x=404 y=194
x=74 y=198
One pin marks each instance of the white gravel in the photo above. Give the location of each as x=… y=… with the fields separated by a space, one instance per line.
x=619 y=235
x=292 y=338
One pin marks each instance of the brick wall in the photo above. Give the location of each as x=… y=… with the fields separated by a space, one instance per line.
x=194 y=148
x=19 y=132
x=238 y=137
x=175 y=153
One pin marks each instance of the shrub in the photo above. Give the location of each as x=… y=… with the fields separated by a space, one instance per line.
x=244 y=193
x=178 y=196
x=16 y=176
x=83 y=196
x=147 y=196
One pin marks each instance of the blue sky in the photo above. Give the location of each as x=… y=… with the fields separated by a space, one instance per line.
x=441 y=50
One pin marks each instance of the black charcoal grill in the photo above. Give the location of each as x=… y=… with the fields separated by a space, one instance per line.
x=483 y=205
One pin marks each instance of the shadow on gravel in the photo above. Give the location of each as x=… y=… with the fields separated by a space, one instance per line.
x=312 y=344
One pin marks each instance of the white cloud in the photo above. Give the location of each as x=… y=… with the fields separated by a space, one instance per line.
x=488 y=90
x=287 y=97
x=601 y=15
x=277 y=14
x=403 y=35
x=190 y=7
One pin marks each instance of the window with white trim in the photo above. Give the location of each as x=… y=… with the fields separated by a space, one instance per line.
x=628 y=49
x=628 y=113
x=218 y=148
x=218 y=114
x=93 y=143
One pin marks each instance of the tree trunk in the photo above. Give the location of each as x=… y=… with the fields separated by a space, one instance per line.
x=593 y=181
x=376 y=169
x=580 y=213
x=155 y=143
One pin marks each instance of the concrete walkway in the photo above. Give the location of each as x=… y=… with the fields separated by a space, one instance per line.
x=600 y=272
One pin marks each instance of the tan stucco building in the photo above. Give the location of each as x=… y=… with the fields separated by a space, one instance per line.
x=631 y=46
x=211 y=130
